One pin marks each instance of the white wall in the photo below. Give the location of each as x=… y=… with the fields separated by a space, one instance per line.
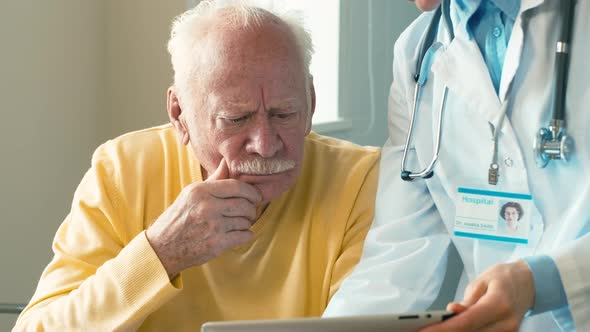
x=73 y=73
x=137 y=64
x=52 y=93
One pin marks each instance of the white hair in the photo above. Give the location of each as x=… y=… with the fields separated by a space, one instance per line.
x=189 y=30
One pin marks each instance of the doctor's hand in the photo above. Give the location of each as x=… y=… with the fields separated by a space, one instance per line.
x=496 y=301
x=206 y=219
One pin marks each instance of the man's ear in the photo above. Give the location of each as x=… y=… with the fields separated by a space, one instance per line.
x=313 y=102
x=174 y=113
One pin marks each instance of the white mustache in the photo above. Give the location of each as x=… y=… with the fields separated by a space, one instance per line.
x=262 y=166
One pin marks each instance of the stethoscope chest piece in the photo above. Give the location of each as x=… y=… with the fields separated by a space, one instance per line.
x=552 y=145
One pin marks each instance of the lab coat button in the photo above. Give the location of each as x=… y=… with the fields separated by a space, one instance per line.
x=508 y=162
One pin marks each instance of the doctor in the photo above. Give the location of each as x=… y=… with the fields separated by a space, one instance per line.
x=492 y=68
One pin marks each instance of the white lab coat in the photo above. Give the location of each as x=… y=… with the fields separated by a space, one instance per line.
x=405 y=253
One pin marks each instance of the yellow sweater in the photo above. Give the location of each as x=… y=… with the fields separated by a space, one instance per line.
x=105 y=276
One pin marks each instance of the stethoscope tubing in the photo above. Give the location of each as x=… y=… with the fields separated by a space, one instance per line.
x=432 y=30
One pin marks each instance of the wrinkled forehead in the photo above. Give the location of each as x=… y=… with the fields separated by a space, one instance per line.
x=228 y=102
x=250 y=67
x=262 y=32
x=258 y=50
x=253 y=73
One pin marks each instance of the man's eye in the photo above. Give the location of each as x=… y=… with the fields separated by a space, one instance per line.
x=284 y=116
x=238 y=120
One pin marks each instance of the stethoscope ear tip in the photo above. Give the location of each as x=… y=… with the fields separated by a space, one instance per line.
x=406 y=176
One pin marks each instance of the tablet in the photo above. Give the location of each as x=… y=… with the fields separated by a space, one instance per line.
x=407 y=322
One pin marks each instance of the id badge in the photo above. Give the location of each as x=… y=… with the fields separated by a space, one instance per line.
x=493 y=215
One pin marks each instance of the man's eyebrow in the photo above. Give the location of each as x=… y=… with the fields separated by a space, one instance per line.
x=225 y=104
x=228 y=107
x=245 y=106
x=285 y=103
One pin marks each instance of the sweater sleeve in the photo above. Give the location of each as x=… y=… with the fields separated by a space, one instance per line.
x=97 y=280
x=359 y=222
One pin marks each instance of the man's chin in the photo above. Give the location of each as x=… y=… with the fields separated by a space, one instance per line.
x=270 y=186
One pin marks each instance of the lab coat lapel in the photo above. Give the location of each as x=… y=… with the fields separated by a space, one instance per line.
x=513 y=57
x=514 y=50
x=461 y=67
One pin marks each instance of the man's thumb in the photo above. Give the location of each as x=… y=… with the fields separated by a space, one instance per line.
x=221 y=173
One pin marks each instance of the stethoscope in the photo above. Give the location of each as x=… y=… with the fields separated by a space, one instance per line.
x=551 y=143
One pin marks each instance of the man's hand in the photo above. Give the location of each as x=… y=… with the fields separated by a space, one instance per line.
x=496 y=301
x=205 y=219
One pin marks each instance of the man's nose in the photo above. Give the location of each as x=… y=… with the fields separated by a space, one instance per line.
x=264 y=139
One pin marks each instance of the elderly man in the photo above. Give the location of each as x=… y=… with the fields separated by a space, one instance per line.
x=235 y=211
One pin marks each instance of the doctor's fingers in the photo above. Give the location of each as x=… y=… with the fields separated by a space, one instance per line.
x=509 y=285
x=456 y=308
x=475 y=291
x=507 y=321
x=487 y=311
x=512 y=325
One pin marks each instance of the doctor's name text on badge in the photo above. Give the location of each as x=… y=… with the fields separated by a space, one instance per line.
x=493 y=215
